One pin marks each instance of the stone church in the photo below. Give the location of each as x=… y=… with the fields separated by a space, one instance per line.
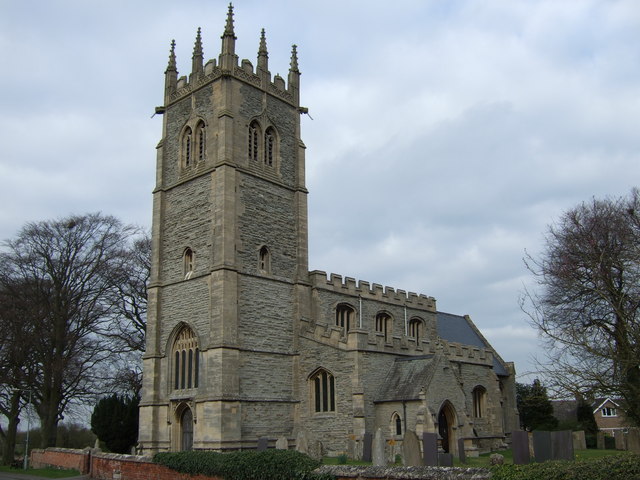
x=243 y=341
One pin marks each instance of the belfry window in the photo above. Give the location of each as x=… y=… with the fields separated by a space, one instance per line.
x=186 y=363
x=202 y=142
x=269 y=146
x=479 y=399
x=253 y=137
x=324 y=391
x=415 y=329
x=187 y=147
x=344 y=316
x=384 y=325
x=187 y=263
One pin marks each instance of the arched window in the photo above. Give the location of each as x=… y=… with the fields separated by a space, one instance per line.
x=344 y=316
x=323 y=390
x=201 y=141
x=479 y=400
x=269 y=146
x=384 y=325
x=264 y=260
x=253 y=137
x=187 y=263
x=187 y=147
x=415 y=329
x=396 y=424
x=186 y=366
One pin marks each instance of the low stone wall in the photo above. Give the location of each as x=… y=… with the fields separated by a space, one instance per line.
x=109 y=466
x=348 y=472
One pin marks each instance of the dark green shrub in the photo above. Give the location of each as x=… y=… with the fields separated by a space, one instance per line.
x=342 y=459
x=244 y=465
x=115 y=421
x=614 y=467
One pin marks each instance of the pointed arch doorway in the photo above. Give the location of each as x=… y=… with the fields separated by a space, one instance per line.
x=446 y=421
x=186 y=430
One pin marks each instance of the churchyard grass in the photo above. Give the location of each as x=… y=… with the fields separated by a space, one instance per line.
x=42 y=472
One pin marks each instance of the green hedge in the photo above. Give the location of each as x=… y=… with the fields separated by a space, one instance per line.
x=614 y=467
x=244 y=465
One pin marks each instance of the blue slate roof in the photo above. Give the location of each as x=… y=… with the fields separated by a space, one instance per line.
x=458 y=329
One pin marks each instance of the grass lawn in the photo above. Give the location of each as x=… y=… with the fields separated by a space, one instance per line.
x=42 y=472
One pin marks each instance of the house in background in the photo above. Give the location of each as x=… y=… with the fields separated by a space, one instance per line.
x=609 y=416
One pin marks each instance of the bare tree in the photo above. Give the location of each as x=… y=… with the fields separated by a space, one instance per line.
x=587 y=302
x=69 y=265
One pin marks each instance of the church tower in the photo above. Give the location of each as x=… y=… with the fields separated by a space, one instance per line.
x=229 y=255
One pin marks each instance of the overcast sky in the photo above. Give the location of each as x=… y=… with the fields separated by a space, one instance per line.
x=446 y=135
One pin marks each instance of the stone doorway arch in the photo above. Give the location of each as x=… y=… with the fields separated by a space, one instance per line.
x=446 y=423
x=186 y=430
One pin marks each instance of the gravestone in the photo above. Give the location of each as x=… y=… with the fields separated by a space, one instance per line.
x=562 y=445
x=263 y=443
x=520 y=446
x=316 y=449
x=579 y=440
x=461 y=453
x=620 y=439
x=542 y=446
x=445 y=459
x=430 y=449
x=378 y=456
x=301 y=442
x=367 y=443
x=600 y=440
x=633 y=440
x=411 y=450
x=282 y=444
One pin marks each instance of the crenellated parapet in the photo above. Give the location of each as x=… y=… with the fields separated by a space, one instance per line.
x=458 y=352
x=227 y=65
x=372 y=291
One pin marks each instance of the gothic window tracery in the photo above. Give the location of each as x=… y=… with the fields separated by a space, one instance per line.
x=344 y=316
x=187 y=147
x=269 y=146
x=384 y=325
x=202 y=141
x=396 y=424
x=186 y=367
x=416 y=329
x=323 y=391
x=253 y=137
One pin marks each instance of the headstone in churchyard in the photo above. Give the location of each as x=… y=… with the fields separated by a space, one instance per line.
x=520 y=446
x=579 y=440
x=316 y=449
x=621 y=441
x=542 y=446
x=496 y=459
x=562 y=445
x=301 y=442
x=367 y=443
x=445 y=459
x=378 y=456
x=263 y=443
x=430 y=449
x=282 y=443
x=600 y=440
x=461 y=454
x=633 y=440
x=411 y=450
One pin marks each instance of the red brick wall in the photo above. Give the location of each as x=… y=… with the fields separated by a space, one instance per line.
x=61 y=458
x=108 y=466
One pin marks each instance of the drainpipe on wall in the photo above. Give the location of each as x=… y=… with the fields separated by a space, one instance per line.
x=404 y=414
